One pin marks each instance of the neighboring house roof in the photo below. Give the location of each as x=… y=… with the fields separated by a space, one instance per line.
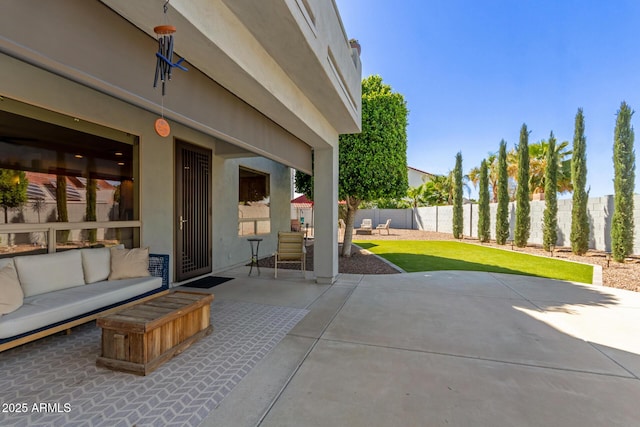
x=420 y=171
x=43 y=186
x=302 y=202
x=417 y=177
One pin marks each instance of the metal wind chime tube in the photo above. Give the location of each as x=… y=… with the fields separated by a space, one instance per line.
x=164 y=65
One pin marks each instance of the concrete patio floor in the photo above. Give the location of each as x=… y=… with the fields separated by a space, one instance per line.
x=440 y=348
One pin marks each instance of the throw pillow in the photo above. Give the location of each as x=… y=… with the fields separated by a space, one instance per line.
x=96 y=264
x=129 y=263
x=11 y=295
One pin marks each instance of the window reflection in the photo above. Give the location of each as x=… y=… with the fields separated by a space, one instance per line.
x=254 y=210
x=55 y=174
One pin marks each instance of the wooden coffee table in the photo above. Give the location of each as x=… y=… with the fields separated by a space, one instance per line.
x=139 y=339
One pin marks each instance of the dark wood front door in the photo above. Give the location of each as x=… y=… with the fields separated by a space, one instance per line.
x=193 y=211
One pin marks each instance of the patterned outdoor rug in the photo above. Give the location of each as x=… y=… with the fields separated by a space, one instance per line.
x=55 y=382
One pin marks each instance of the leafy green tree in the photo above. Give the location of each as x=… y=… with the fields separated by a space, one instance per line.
x=457 y=198
x=523 y=221
x=502 y=215
x=579 y=215
x=624 y=165
x=484 y=219
x=386 y=203
x=303 y=182
x=13 y=190
x=550 y=218
x=373 y=163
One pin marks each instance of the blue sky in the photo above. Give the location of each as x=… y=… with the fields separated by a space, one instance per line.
x=472 y=72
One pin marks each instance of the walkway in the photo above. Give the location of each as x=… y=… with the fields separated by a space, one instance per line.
x=441 y=349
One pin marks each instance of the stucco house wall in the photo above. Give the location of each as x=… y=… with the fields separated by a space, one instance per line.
x=250 y=101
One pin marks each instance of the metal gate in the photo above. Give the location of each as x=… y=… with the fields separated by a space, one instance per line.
x=193 y=207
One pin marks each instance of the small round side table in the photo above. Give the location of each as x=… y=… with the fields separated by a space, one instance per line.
x=254 y=253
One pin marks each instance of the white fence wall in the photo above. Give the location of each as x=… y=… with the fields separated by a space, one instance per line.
x=440 y=219
x=400 y=218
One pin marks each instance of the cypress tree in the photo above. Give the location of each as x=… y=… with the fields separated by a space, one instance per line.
x=623 y=184
x=90 y=212
x=523 y=221
x=550 y=230
x=61 y=204
x=457 y=198
x=484 y=221
x=502 y=215
x=579 y=216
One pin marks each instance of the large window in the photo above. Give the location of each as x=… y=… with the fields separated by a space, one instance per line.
x=62 y=186
x=253 y=204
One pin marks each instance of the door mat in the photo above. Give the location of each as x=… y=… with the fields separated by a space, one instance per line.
x=207 y=282
x=59 y=372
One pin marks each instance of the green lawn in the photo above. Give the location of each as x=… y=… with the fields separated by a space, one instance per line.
x=430 y=255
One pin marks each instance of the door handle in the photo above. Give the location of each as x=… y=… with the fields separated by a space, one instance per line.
x=182 y=221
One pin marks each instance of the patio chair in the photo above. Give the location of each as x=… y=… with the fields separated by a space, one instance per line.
x=291 y=249
x=384 y=226
x=366 y=224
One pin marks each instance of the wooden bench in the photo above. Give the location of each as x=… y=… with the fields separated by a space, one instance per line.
x=141 y=338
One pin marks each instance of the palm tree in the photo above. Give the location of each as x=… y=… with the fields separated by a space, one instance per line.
x=492 y=166
x=417 y=195
x=437 y=191
x=418 y=198
x=38 y=206
x=538 y=166
x=538 y=158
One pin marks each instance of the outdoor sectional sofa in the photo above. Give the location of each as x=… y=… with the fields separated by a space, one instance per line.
x=65 y=289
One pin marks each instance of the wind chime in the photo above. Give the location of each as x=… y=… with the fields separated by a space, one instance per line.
x=164 y=66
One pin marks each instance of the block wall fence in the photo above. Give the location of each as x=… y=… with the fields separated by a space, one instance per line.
x=440 y=218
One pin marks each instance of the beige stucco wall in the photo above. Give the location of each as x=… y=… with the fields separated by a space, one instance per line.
x=249 y=91
x=271 y=56
x=89 y=43
x=34 y=86
x=226 y=242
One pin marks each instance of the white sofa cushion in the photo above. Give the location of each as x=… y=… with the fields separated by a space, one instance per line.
x=45 y=309
x=11 y=295
x=129 y=263
x=96 y=264
x=39 y=274
x=5 y=261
